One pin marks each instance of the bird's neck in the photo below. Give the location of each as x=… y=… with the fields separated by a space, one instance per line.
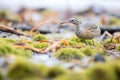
x=77 y=28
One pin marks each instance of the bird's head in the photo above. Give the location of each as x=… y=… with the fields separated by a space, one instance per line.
x=74 y=21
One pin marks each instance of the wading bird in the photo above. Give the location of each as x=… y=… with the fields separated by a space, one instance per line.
x=84 y=30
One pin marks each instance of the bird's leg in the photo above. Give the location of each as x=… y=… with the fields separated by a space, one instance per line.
x=85 y=42
x=111 y=39
x=93 y=42
x=104 y=34
x=82 y=40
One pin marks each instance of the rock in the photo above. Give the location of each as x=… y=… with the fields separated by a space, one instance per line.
x=99 y=58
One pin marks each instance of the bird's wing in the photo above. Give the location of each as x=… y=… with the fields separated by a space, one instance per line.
x=90 y=26
x=89 y=33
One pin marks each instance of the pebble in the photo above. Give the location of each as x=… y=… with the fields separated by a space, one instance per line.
x=99 y=58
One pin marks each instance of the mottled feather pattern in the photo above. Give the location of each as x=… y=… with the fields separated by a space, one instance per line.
x=88 y=25
x=87 y=30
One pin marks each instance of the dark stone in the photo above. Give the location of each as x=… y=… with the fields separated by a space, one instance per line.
x=99 y=58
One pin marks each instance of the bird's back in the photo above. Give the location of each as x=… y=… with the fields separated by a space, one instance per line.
x=88 y=26
x=88 y=30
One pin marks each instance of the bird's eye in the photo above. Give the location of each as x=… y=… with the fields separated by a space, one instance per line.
x=71 y=20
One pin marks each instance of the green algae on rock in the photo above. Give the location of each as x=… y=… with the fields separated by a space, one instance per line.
x=68 y=54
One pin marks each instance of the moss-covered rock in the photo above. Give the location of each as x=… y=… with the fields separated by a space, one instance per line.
x=56 y=71
x=8 y=49
x=100 y=72
x=70 y=76
x=23 y=52
x=76 y=44
x=3 y=14
x=40 y=45
x=23 y=69
x=118 y=47
x=108 y=41
x=1 y=75
x=9 y=40
x=72 y=43
x=114 y=21
x=78 y=41
x=96 y=43
x=88 y=51
x=75 y=39
x=33 y=78
x=68 y=54
x=115 y=66
x=91 y=51
x=39 y=37
x=99 y=50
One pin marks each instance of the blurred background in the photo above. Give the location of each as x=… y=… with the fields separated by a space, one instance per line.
x=26 y=14
x=31 y=33
x=61 y=5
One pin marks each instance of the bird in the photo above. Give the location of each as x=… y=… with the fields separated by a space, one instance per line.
x=84 y=30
